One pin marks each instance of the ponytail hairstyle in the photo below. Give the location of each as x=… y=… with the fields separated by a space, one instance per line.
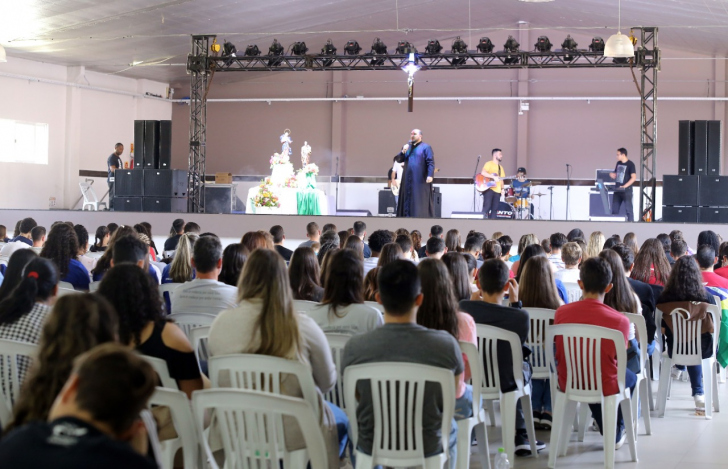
x=61 y=247
x=101 y=233
x=14 y=272
x=104 y=262
x=180 y=270
x=38 y=283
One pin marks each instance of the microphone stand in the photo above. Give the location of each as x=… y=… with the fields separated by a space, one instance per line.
x=475 y=173
x=338 y=179
x=568 y=187
x=551 y=203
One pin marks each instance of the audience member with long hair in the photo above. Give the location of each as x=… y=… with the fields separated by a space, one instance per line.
x=457 y=267
x=416 y=236
x=62 y=248
x=304 y=275
x=651 y=265
x=180 y=270
x=233 y=260
x=257 y=240
x=453 y=243
x=265 y=323
x=525 y=241
x=390 y=252
x=595 y=245
x=104 y=262
x=14 y=271
x=630 y=240
x=355 y=244
x=575 y=233
x=535 y=250
x=101 y=240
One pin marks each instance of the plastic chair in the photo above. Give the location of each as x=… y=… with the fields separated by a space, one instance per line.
x=198 y=338
x=93 y=286
x=583 y=356
x=643 y=388
x=687 y=350
x=184 y=424
x=375 y=305
x=488 y=337
x=11 y=352
x=397 y=440
x=541 y=319
x=66 y=291
x=337 y=342
x=89 y=196
x=573 y=291
x=303 y=306
x=251 y=426
x=160 y=366
x=477 y=421
x=6 y=414
x=165 y=291
x=151 y=427
x=188 y=321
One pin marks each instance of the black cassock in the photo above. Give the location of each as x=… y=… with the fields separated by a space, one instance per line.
x=415 y=195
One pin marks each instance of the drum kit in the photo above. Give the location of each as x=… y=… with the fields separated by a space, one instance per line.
x=521 y=204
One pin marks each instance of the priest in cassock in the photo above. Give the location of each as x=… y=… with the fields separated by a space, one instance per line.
x=415 y=193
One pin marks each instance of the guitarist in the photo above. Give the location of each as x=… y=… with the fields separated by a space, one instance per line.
x=493 y=173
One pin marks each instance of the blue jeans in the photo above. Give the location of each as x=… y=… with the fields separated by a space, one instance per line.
x=695 y=372
x=541 y=395
x=630 y=380
x=464 y=404
x=342 y=425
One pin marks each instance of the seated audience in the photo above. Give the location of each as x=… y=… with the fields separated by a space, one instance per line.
x=664 y=238
x=546 y=245
x=14 y=271
x=62 y=248
x=453 y=242
x=650 y=265
x=436 y=231
x=557 y=241
x=678 y=248
x=723 y=260
x=571 y=255
x=38 y=234
x=534 y=250
x=146 y=236
x=405 y=243
x=473 y=245
x=178 y=229
x=416 y=243
x=460 y=274
x=377 y=240
x=328 y=227
x=148 y=231
x=112 y=228
x=233 y=260
x=525 y=241
x=356 y=245
x=26 y=227
x=435 y=248
x=304 y=274
x=630 y=240
x=95 y=420
x=594 y=246
x=4 y=234
x=360 y=231
x=192 y=227
x=343 y=237
x=257 y=240
x=104 y=262
x=491 y=249
x=312 y=233
x=180 y=270
x=278 y=238
x=575 y=233
x=506 y=243
x=9 y=249
x=82 y=236
x=390 y=252
x=706 y=259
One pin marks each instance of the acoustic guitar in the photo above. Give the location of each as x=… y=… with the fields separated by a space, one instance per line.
x=395 y=189
x=483 y=183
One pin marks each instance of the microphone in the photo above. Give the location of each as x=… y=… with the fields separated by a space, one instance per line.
x=478 y=157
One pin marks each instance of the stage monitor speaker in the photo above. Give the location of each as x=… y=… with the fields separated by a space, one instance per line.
x=467 y=215
x=128 y=204
x=353 y=213
x=437 y=202
x=685 y=141
x=700 y=148
x=680 y=190
x=714 y=148
x=679 y=214
x=165 y=204
x=713 y=214
x=165 y=145
x=219 y=198
x=165 y=183
x=387 y=205
x=139 y=144
x=713 y=191
x=151 y=144
x=129 y=183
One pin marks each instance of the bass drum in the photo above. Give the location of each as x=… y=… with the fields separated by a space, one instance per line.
x=505 y=211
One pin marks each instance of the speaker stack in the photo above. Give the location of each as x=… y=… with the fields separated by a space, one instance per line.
x=697 y=193
x=152 y=144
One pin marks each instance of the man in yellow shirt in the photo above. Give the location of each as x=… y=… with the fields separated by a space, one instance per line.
x=491 y=196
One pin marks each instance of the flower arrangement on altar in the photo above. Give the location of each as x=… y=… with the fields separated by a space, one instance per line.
x=309 y=169
x=266 y=197
x=291 y=182
x=278 y=159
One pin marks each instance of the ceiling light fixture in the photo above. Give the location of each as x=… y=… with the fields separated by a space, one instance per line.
x=252 y=50
x=619 y=45
x=459 y=47
x=543 y=44
x=275 y=51
x=433 y=47
x=352 y=48
x=299 y=48
x=485 y=46
x=378 y=48
x=330 y=50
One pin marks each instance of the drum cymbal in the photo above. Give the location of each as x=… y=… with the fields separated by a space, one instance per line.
x=532 y=183
x=538 y=194
x=511 y=200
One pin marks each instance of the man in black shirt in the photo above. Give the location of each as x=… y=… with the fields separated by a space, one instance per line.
x=178 y=227
x=94 y=422
x=278 y=237
x=624 y=175
x=113 y=162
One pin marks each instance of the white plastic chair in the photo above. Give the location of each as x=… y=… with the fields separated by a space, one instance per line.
x=66 y=291
x=375 y=305
x=582 y=345
x=573 y=291
x=151 y=427
x=198 y=338
x=168 y=288
x=6 y=414
x=11 y=352
x=337 y=342
x=160 y=366
x=251 y=426
x=89 y=196
x=643 y=388
x=188 y=321
x=687 y=350
x=184 y=424
x=541 y=319
x=488 y=337
x=398 y=439
x=93 y=286
x=477 y=421
x=304 y=306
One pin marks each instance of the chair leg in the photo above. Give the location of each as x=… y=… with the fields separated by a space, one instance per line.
x=570 y=414
x=635 y=402
x=483 y=452
x=508 y=423
x=716 y=380
x=528 y=416
x=708 y=386
x=650 y=395
x=559 y=423
x=609 y=422
x=663 y=386
x=629 y=419
x=646 y=386
x=584 y=414
x=491 y=412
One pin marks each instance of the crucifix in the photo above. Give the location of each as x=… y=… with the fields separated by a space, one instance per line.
x=411 y=67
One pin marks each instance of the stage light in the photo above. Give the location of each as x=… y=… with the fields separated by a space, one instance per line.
x=299 y=48
x=252 y=51
x=352 y=48
x=597 y=44
x=459 y=47
x=485 y=46
x=378 y=48
x=404 y=47
x=229 y=50
x=433 y=47
x=543 y=44
x=275 y=51
x=569 y=44
x=511 y=47
x=328 y=49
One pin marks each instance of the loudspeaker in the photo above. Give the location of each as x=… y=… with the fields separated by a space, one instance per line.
x=165 y=204
x=219 y=198
x=437 y=202
x=680 y=214
x=151 y=144
x=714 y=148
x=713 y=191
x=713 y=214
x=165 y=145
x=139 y=144
x=685 y=141
x=700 y=148
x=680 y=190
x=128 y=183
x=387 y=206
x=165 y=183
x=128 y=204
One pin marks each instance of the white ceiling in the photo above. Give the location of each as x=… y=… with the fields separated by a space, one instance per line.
x=108 y=35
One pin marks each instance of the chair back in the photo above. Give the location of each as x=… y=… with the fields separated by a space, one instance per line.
x=687 y=340
x=475 y=362
x=263 y=374
x=304 y=306
x=488 y=337
x=641 y=329
x=165 y=291
x=573 y=291
x=198 y=338
x=13 y=355
x=251 y=428
x=93 y=286
x=375 y=305
x=337 y=342
x=397 y=392
x=583 y=345
x=160 y=366
x=541 y=319
x=183 y=421
x=188 y=321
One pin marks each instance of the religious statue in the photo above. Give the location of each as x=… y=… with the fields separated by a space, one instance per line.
x=286 y=151
x=305 y=154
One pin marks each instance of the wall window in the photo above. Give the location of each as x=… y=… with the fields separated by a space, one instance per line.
x=23 y=142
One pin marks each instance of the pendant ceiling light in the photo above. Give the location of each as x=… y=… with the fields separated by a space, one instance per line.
x=619 y=45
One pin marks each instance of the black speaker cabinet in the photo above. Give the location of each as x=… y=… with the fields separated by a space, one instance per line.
x=713 y=214
x=139 y=144
x=128 y=204
x=714 y=148
x=219 y=198
x=685 y=141
x=165 y=145
x=165 y=183
x=165 y=204
x=700 y=148
x=151 y=144
x=129 y=182
x=387 y=206
x=680 y=190
x=437 y=202
x=713 y=191
x=680 y=214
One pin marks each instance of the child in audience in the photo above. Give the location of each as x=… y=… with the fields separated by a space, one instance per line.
x=651 y=265
x=571 y=255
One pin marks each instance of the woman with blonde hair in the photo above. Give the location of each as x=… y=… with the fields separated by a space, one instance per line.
x=525 y=241
x=257 y=240
x=265 y=323
x=595 y=245
x=180 y=270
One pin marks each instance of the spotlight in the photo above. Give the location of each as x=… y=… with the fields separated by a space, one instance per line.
x=299 y=48
x=459 y=47
x=543 y=44
x=569 y=44
x=404 y=47
x=433 y=47
x=328 y=49
x=378 y=48
x=229 y=50
x=352 y=48
x=511 y=47
x=274 y=52
x=252 y=51
x=597 y=44
x=485 y=46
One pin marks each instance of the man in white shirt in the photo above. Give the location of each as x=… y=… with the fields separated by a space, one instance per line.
x=571 y=257
x=557 y=241
x=205 y=294
x=11 y=247
x=377 y=240
x=312 y=233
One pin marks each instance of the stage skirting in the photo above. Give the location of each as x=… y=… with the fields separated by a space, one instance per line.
x=292 y=202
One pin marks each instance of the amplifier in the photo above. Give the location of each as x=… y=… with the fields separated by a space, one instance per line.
x=713 y=191
x=128 y=204
x=219 y=198
x=679 y=214
x=129 y=183
x=165 y=182
x=680 y=190
x=165 y=204
x=713 y=215
x=387 y=206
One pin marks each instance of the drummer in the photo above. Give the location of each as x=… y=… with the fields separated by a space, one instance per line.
x=521 y=185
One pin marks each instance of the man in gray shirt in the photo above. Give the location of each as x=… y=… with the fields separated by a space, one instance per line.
x=312 y=233
x=401 y=339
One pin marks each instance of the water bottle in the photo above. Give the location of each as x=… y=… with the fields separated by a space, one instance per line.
x=501 y=460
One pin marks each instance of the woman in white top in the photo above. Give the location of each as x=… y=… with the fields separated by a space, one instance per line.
x=265 y=323
x=343 y=310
